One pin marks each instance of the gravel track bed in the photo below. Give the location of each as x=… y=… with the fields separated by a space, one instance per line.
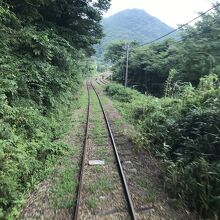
x=110 y=200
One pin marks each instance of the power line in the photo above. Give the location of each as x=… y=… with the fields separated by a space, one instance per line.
x=182 y=26
x=165 y=35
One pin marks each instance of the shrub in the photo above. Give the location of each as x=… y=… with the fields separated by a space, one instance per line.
x=120 y=93
x=185 y=132
x=40 y=75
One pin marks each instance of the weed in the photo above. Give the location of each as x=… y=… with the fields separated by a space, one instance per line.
x=92 y=203
x=102 y=184
x=96 y=169
x=65 y=186
x=118 y=124
x=149 y=190
x=184 y=132
x=102 y=152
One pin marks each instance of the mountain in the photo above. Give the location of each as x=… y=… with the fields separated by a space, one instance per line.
x=132 y=25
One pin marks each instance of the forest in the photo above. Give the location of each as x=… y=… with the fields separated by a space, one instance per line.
x=45 y=47
x=176 y=111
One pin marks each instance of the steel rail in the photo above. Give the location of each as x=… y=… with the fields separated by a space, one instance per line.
x=122 y=175
x=76 y=210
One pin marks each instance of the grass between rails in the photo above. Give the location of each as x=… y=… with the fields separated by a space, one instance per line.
x=184 y=132
x=98 y=130
x=102 y=184
x=92 y=202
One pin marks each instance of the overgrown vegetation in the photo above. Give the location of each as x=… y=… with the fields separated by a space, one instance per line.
x=64 y=188
x=185 y=132
x=43 y=47
x=183 y=125
x=193 y=56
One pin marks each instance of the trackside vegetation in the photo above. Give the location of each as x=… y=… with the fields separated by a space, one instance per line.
x=185 y=132
x=177 y=112
x=44 y=48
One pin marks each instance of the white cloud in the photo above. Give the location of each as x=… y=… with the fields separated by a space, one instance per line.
x=172 y=12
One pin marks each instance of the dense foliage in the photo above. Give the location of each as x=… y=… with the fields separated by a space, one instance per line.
x=185 y=132
x=76 y=20
x=194 y=56
x=43 y=49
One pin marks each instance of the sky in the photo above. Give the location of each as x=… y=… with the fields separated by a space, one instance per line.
x=171 y=12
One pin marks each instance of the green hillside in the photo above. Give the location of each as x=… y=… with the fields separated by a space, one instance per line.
x=131 y=25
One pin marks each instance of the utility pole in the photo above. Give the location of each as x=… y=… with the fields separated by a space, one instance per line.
x=126 y=71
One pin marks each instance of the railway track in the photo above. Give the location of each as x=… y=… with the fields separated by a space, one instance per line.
x=101 y=81
x=85 y=175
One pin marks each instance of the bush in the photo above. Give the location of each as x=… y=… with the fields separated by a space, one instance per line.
x=40 y=75
x=185 y=132
x=120 y=93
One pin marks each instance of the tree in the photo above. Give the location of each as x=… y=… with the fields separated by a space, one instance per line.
x=76 y=20
x=148 y=66
x=116 y=55
x=115 y=51
x=200 y=48
x=195 y=56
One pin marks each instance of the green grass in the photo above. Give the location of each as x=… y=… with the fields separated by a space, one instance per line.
x=102 y=151
x=65 y=186
x=150 y=192
x=92 y=203
x=118 y=124
x=100 y=141
x=102 y=184
x=98 y=131
x=96 y=169
x=83 y=99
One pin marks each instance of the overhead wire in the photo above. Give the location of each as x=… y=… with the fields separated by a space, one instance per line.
x=182 y=26
x=179 y=28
